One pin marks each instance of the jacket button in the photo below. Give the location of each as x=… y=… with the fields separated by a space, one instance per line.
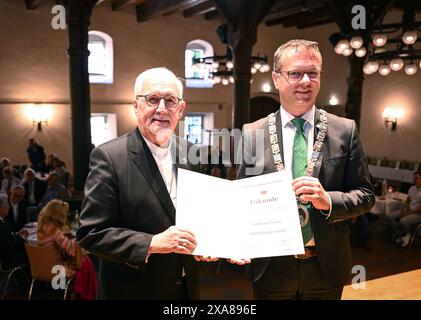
x=178 y=281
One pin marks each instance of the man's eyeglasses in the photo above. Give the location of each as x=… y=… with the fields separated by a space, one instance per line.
x=153 y=101
x=295 y=76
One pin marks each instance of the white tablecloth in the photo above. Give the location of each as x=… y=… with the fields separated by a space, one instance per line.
x=391 y=173
x=392 y=202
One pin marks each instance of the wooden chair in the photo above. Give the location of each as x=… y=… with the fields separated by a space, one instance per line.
x=41 y=262
x=414 y=234
x=9 y=273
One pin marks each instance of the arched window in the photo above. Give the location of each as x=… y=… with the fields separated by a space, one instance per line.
x=100 y=63
x=197 y=77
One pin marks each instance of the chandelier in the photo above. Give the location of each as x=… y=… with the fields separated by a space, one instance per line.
x=390 y=47
x=221 y=67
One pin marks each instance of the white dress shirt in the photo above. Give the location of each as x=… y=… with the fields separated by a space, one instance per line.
x=288 y=133
x=165 y=165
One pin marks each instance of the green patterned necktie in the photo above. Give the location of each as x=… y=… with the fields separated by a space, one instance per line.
x=299 y=165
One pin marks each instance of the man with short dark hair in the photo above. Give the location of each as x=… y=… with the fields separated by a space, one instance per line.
x=36 y=155
x=325 y=158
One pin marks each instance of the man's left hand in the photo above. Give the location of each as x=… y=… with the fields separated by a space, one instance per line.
x=310 y=189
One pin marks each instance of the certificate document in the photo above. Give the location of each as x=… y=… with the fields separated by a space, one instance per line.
x=248 y=218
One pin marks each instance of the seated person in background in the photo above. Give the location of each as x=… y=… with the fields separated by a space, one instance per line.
x=34 y=188
x=49 y=162
x=53 y=230
x=9 y=181
x=411 y=213
x=17 y=216
x=4 y=162
x=57 y=167
x=55 y=190
x=12 y=245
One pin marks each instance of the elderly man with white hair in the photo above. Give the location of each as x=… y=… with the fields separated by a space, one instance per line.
x=128 y=214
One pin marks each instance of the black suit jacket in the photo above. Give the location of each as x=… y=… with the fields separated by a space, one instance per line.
x=12 y=247
x=343 y=172
x=22 y=219
x=40 y=188
x=126 y=203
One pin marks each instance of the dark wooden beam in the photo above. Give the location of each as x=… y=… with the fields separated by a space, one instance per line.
x=378 y=12
x=300 y=17
x=118 y=4
x=78 y=14
x=315 y=23
x=243 y=18
x=31 y=4
x=288 y=10
x=341 y=14
x=211 y=15
x=355 y=82
x=199 y=9
x=152 y=8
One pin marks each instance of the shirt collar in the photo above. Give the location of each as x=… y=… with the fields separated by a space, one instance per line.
x=156 y=150
x=286 y=117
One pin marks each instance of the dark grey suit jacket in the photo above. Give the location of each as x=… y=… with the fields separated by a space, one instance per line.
x=343 y=172
x=126 y=203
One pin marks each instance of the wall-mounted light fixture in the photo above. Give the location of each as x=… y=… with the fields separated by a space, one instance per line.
x=39 y=115
x=390 y=116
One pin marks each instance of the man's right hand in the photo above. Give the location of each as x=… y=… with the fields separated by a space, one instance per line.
x=173 y=239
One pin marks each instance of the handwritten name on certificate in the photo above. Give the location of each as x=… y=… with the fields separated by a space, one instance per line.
x=248 y=218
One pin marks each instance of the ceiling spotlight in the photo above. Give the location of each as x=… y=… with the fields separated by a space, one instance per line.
x=366 y=69
x=343 y=44
x=384 y=70
x=379 y=40
x=411 y=69
x=356 y=42
x=360 y=52
x=396 y=64
x=373 y=66
x=347 y=52
x=230 y=64
x=409 y=37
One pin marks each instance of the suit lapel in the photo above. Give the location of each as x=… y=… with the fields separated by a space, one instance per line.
x=320 y=159
x=145 y=161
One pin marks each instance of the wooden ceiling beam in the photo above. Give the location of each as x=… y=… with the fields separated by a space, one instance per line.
x=315 y=23
x=31 y=4
x=152 y=8
x=285 y=11
x=119 y=4
x=199 y=9
x=322 y=12
x=211 y=15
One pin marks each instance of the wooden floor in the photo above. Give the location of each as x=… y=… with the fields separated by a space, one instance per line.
x=403 y=286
